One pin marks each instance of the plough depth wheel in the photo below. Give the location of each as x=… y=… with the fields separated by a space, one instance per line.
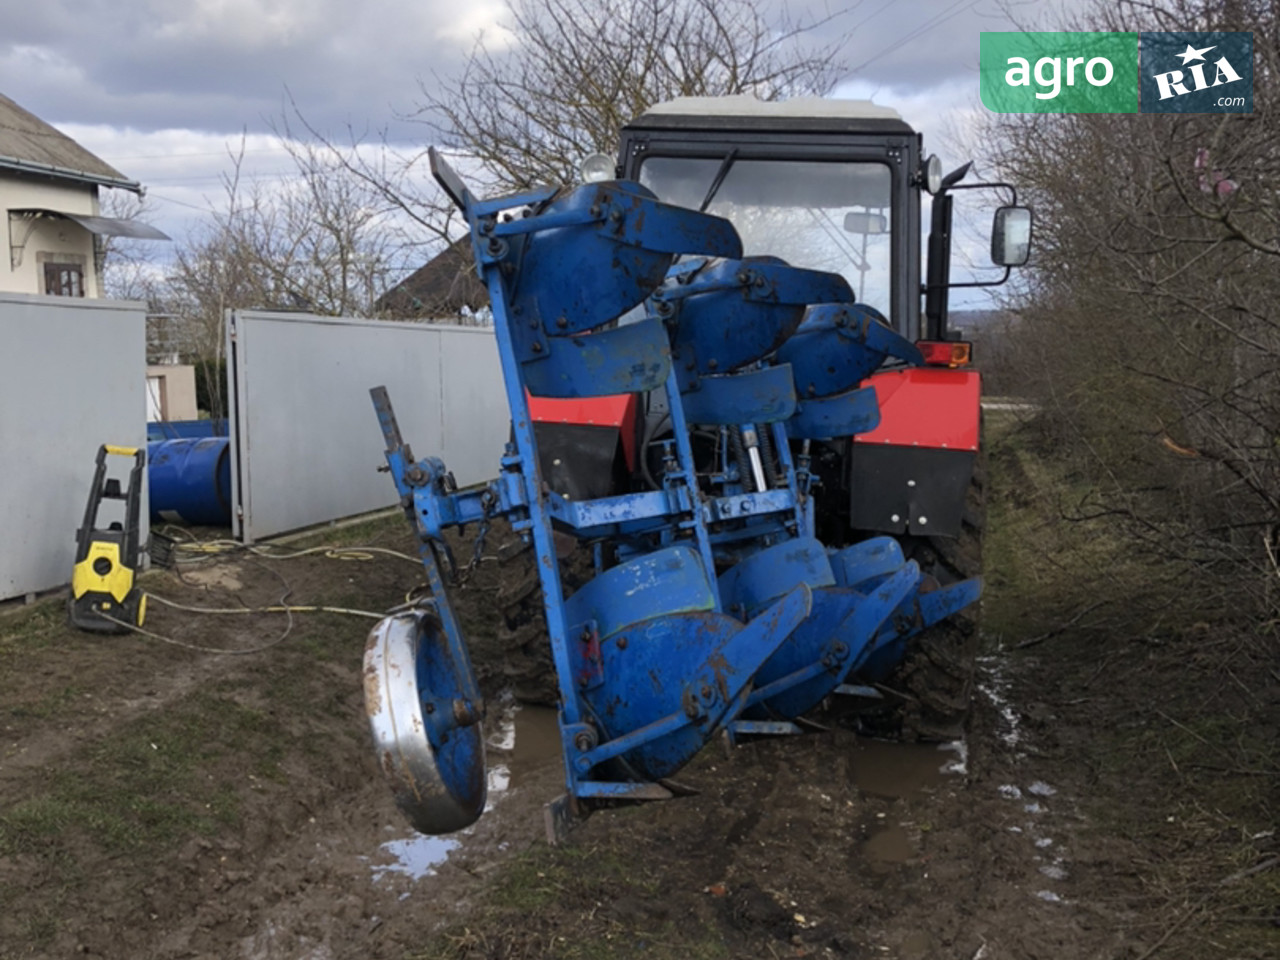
x=426 y=730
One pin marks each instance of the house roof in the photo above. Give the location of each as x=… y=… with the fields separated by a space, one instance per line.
x=440 y=288
x=29 y=145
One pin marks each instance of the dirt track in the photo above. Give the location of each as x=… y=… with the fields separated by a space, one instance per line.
x=157 y=802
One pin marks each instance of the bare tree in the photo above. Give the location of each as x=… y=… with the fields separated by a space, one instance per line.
x=127 y=265
x=567 y=74
x=1153 y=313
x=559 y=84
x=324 y=241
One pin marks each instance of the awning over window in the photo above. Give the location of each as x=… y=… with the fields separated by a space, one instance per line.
x=104 y=226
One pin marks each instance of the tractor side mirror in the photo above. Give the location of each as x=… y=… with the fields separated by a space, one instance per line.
x=1011 y=236
x=866 y=223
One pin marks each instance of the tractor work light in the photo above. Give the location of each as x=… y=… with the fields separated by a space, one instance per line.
x=932 y=173
x=946 y=353
x=596 y=167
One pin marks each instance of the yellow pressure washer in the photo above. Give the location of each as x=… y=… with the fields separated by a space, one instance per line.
x=104 y=580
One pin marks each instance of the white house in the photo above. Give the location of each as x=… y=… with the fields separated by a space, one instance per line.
x=49 y=199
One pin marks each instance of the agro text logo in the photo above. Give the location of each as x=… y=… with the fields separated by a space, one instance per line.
x=1060 y=72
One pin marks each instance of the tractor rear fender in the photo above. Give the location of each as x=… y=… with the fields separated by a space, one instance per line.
x=911 y=474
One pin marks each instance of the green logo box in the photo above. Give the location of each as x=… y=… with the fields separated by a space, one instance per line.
x=1059 y=72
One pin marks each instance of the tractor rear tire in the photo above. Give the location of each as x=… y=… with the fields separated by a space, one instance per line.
x=526 y=665
x=938 y=674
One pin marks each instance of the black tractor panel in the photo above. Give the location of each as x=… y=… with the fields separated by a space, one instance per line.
x=919 y=490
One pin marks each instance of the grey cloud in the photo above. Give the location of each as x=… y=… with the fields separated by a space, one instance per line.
x=151 y=64
x=918 y=45
x=117 y=64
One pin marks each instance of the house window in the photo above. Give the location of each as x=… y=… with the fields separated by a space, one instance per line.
x=64 y=279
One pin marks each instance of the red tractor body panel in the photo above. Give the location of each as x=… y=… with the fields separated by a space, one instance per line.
x=911 y=474
x=927 y=407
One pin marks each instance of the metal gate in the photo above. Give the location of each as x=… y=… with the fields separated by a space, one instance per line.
x=72 y=376
x=305 y=442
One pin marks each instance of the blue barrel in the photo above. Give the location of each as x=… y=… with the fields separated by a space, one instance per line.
x=185 y=429
x=190 y=481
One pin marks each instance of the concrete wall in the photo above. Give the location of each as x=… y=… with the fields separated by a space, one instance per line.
x=306 y=445
x=31 y=244
x=175 y=392
x=72 y=377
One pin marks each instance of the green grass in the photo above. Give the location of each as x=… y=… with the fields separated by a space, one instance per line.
x=24 y=630
x=143 y=789
x=554 y=902
x=1199 y=797
x=1044 y=564
x=52 y=704
x=1181 y=755
x=199 y=765
x=147 y=783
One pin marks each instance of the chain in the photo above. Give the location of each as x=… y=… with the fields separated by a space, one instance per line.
x=487 y=500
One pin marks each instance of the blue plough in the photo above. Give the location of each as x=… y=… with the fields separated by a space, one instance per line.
x=713 y=609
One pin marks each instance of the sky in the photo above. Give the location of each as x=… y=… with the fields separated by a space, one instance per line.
x=164 y=89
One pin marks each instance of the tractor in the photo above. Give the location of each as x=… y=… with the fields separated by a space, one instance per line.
x=744 y=454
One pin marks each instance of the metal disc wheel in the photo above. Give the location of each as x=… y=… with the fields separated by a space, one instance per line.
x=426 y=730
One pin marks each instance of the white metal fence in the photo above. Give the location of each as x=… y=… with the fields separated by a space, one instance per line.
x=72 y=377
x=305 y=440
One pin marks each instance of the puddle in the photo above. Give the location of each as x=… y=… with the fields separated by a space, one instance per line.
x=1033 y=797
x=522 y=740
x=416 y=856
x=888 y=847
x=896 y=771
x=959 y=764
x=892 y=771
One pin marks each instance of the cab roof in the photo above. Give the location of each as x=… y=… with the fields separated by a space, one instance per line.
x=747 y=113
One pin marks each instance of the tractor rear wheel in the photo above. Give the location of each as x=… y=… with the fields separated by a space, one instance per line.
x=938 y=673
x=527 y=667
x=525 y=647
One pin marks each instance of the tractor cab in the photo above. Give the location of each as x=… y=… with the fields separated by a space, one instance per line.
x=824 y=184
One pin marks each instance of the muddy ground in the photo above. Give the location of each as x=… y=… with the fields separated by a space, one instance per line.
x=1116 y=795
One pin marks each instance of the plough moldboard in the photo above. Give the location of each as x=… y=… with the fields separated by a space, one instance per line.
x=713 y=608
